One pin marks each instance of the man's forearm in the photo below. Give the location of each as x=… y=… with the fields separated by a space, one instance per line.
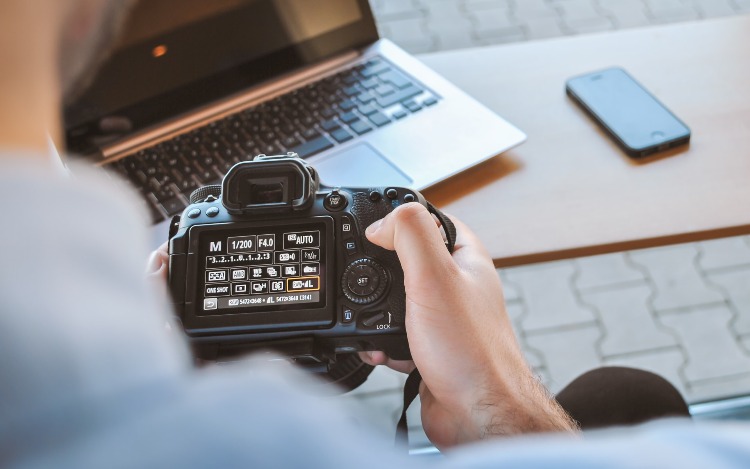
x=523 y=407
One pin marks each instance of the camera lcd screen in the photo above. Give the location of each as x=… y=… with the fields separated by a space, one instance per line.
x=261 y=269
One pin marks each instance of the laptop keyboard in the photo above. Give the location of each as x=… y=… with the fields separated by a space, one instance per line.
x=307 y=121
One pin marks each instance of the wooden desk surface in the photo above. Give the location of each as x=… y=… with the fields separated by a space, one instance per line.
x=568 y=191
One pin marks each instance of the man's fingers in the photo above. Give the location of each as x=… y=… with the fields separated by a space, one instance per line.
x=410 y=230
x=380 y=358
x=469 y=250
x=158 y=259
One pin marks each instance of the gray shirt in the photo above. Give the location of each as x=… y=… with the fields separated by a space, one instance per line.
x=91 y=378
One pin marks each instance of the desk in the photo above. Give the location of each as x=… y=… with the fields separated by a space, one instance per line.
x=569 y=191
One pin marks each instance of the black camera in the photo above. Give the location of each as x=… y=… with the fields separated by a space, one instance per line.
x=272 y=259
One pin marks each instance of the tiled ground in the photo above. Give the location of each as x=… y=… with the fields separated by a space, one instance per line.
x=682 y=311
x=433 y=25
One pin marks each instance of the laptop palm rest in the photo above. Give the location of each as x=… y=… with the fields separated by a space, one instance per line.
x=359 y=166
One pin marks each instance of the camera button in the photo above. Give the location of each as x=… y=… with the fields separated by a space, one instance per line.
x=194 y=213
x=351 y=246
x=364 y=281
x=408 y=198
x=347 y=227
x=212 y=211
x=334 y=201
x=375 y=196
x=391 y=193
x=347 y=315
x=380 y=320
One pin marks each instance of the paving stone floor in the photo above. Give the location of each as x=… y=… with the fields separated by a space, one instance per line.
x=433 y=25
x=682 y=311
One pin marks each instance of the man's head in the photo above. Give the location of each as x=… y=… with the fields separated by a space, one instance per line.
x=87 y=32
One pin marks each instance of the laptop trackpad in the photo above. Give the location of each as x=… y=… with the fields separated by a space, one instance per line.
x=359 y=166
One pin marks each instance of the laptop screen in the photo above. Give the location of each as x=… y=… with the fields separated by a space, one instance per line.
x=176 y=55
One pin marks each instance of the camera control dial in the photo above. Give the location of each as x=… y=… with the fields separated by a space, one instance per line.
x=364 y=281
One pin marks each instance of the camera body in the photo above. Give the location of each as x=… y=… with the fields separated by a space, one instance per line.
x=273 y=259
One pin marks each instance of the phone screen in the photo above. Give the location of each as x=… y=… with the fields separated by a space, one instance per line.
x=635 y=118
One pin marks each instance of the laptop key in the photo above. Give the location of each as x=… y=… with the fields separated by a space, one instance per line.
x=173 y=205
x=330 y=125
x=348 y=117
x=400 y=114
x=164 y=194
x=384 y=90
x=365 y=97
x=412 y=105
x=347 y=105
x=310 y=133
x=313 y=106
x=379 y=119
x=351 y=91
x=395 y=78
x=429 y=101
x=374 y=67
x=270 y=149
x=370 y=83
x=140 y=177
x=154 y=213
x=361 y=127
x=341 y=135
x=400 y=95
x=206 y=176
x=367 y=109
x=187 y=185
x=289 y=141
x=327 y=113
x=331 y=98
x=312 y=147
x=350 y=78
x=308 y=121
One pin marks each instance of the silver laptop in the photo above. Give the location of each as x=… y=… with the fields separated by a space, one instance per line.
x=195 y=87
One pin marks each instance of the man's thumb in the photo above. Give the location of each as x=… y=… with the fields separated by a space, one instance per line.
x=411 y=231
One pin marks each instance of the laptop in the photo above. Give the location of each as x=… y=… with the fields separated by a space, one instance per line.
x=194 y=87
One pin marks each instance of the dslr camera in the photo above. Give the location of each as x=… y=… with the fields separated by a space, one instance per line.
x=273 y=259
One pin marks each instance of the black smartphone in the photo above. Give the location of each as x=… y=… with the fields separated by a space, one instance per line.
x=637 y=121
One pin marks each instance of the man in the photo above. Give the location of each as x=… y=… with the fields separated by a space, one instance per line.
x=90 y=377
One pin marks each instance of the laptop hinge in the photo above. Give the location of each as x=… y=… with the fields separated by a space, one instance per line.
x=230 y=105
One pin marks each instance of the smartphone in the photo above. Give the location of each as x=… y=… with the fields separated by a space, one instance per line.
x=637 y=121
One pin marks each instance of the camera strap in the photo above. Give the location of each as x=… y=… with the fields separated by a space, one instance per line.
x=411 y=391
x=411 y=387
x=448 y=227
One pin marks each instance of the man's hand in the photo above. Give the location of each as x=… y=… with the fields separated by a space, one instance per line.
x=476 y=382
x=157 y=271
x=158 y=264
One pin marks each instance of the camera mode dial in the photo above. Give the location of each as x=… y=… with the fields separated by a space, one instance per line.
x=364 y=281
